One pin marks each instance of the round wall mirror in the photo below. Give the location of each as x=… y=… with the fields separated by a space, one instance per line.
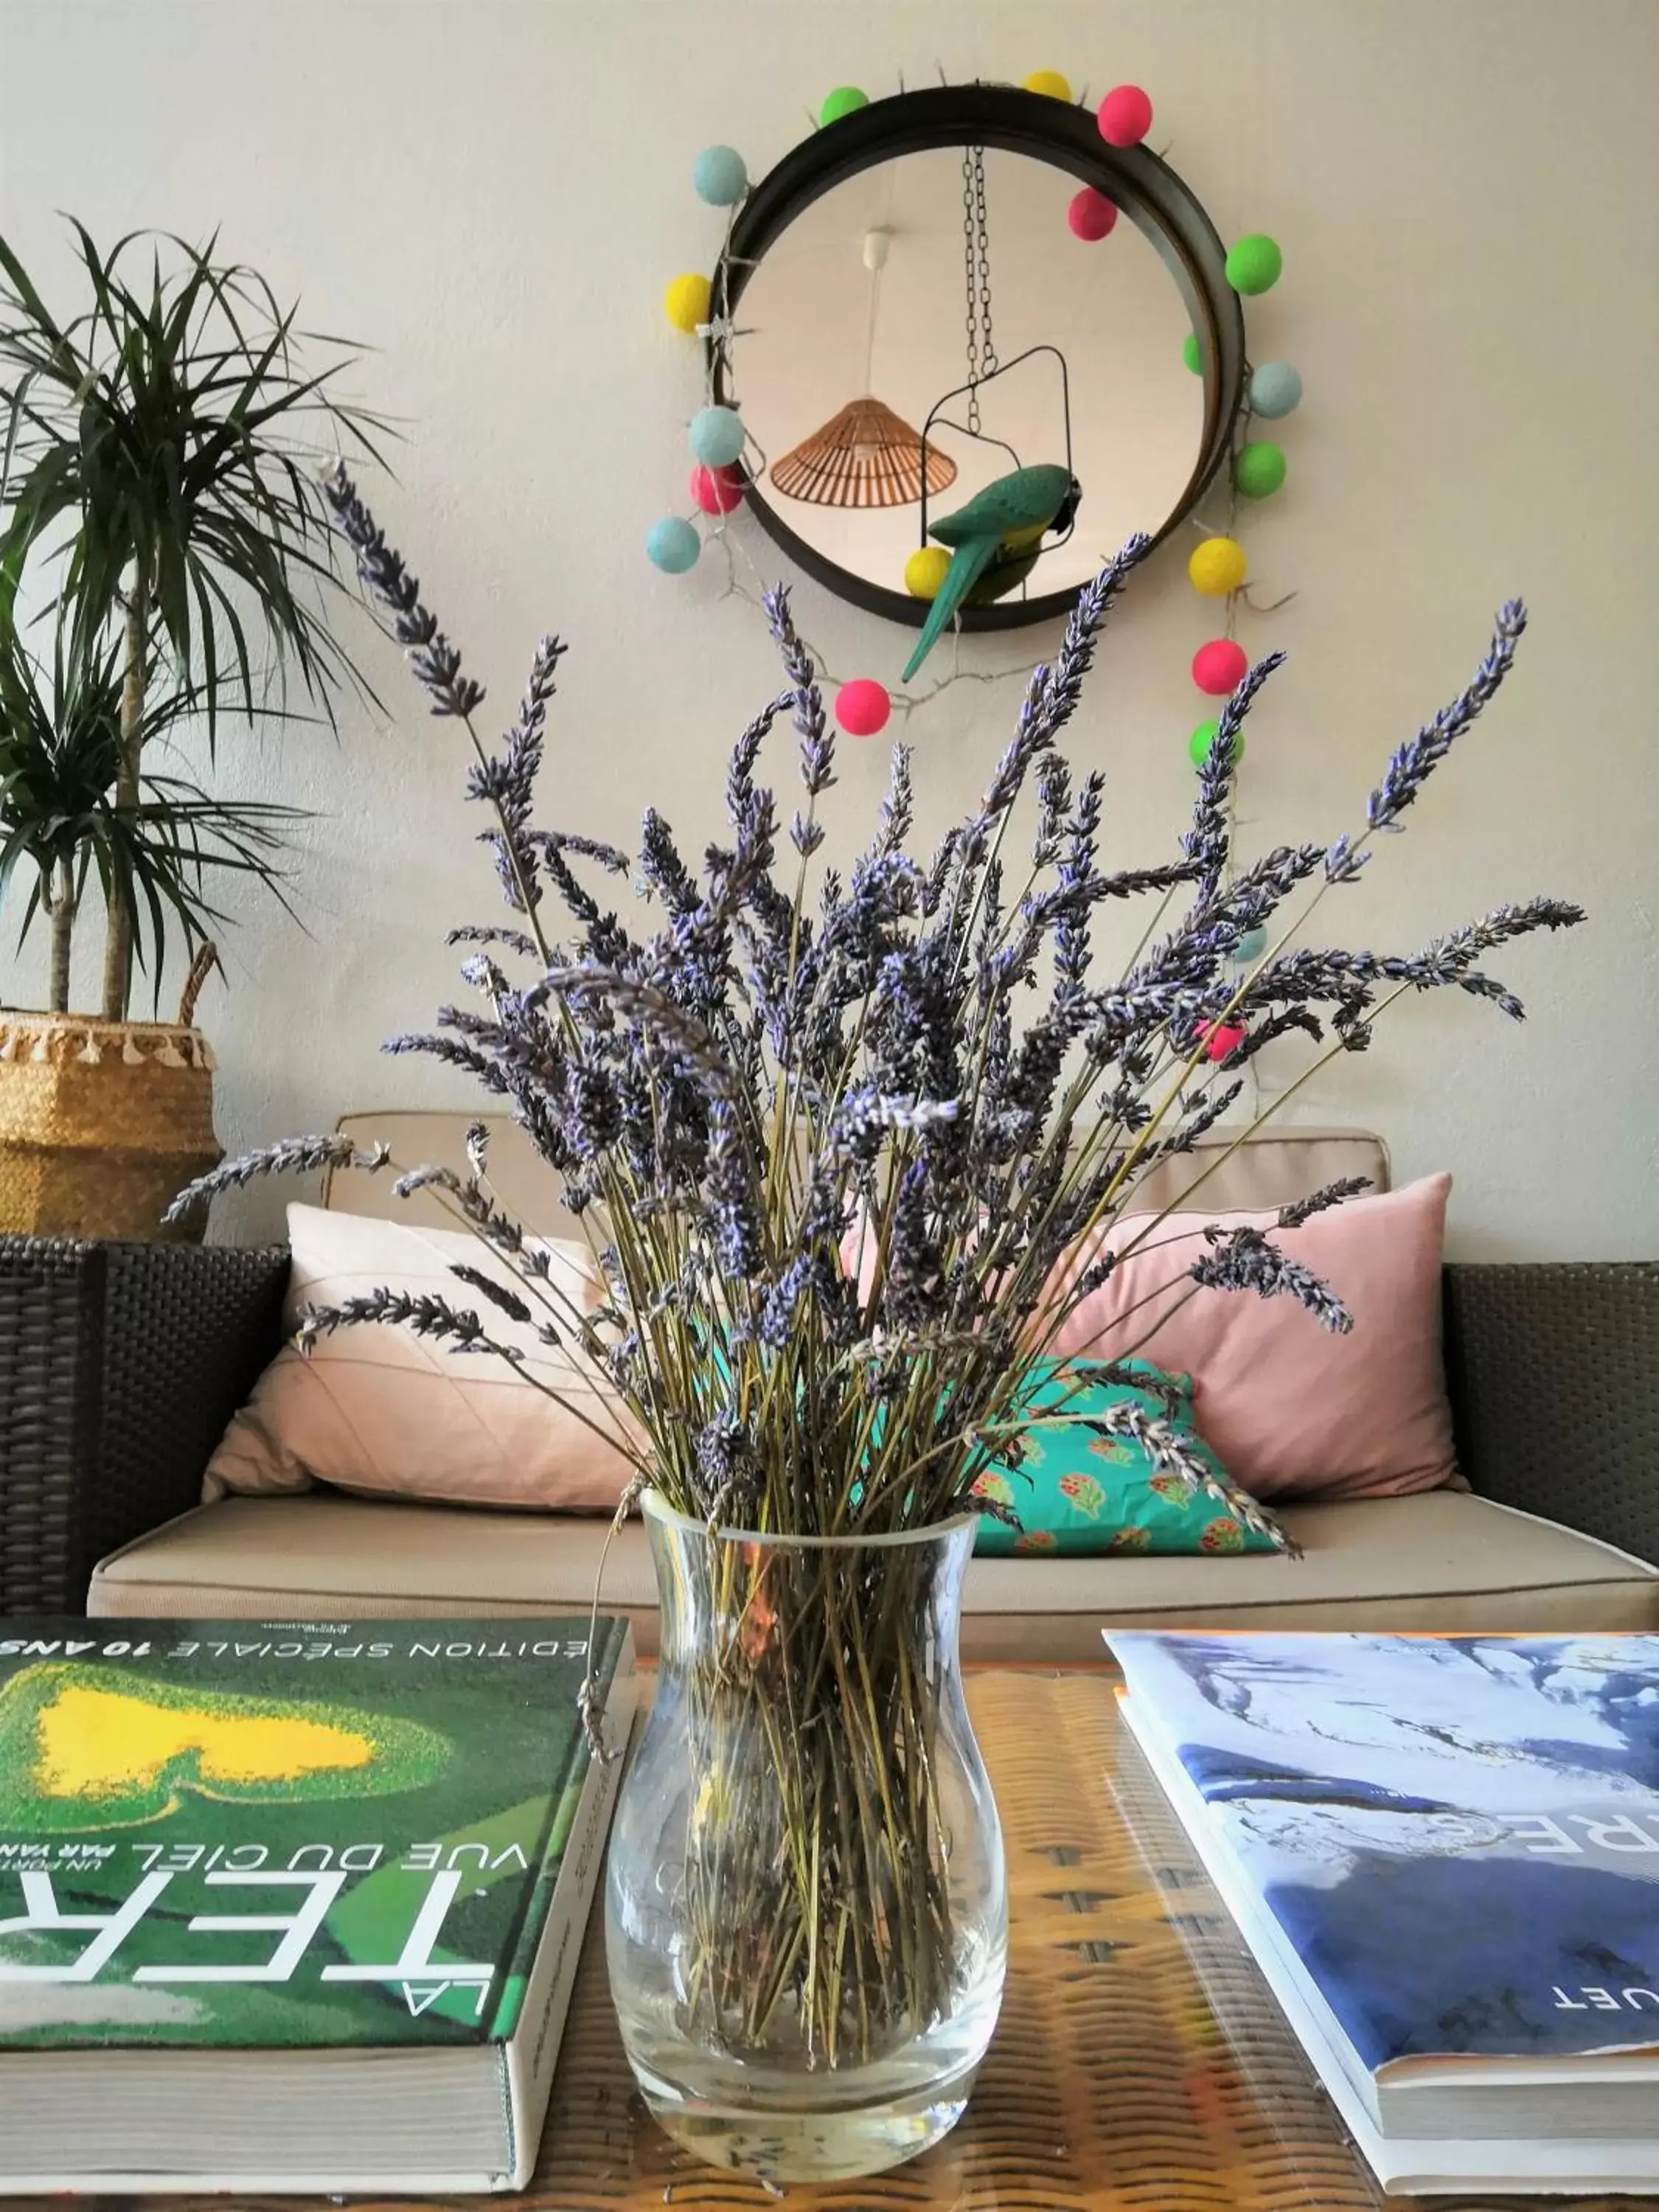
x=906 y=313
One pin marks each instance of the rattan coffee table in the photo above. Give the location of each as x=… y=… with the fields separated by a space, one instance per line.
x=1139 y=2064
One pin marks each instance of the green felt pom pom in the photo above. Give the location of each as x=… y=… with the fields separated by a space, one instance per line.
x=1255 y=264
x=843 y=101
x=1259 y=470
x=1198 y=745
x=1191 y=353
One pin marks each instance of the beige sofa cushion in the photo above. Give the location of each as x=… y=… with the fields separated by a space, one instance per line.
x=388 y=1412
x=1440 y=1560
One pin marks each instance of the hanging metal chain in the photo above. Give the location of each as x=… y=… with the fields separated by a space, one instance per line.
x=976 y=268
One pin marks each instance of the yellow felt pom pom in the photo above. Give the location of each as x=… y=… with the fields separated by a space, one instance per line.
x=925 y=570
x=1218 y=567
x=1049 y=82
x=686 y=303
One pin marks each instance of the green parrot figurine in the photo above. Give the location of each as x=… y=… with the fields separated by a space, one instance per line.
x=995 y=541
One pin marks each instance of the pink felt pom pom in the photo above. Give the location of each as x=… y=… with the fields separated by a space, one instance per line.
x=716 y=491
x=1222 y=1037
x=1220 y=666
x=1125 y=115
x=1091 y=214
x=862 y=707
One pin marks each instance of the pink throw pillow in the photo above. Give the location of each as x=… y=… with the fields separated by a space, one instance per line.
x=1287 y=1407
x=379 y=1410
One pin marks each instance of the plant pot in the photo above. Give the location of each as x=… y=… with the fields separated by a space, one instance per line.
x=806 y=1905
x=101 y=1124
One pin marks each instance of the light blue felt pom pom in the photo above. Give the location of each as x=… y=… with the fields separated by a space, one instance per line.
x=1250 y=947
x=719 y=176
x=673 y=545
x=716 y=436
x=1275 y=389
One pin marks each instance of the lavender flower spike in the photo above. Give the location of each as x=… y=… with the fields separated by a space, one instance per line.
x=653 y=1011
x=1170 y=1454
x=817 y=741
x=1055 y=692
x=1243 y=1259
x=1317 y=1201
x=436 y=663
x=1415 y=762
x=425 y=1315
x=292 y=1156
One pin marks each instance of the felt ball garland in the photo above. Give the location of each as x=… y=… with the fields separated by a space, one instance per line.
x=1217 y=566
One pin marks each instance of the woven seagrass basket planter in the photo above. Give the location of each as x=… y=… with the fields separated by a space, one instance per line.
x=102 y=1123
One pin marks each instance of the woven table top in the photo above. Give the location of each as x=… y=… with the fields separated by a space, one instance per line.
x=1139 y=2064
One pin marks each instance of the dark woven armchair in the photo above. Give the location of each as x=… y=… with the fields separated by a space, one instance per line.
x=121 y=1363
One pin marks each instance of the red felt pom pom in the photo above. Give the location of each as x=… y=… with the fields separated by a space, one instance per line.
x=1222 y=1037
x=1220 y=666
x=1125 y=115
x=862 y=707
x=717 y=491
x=1091 y=214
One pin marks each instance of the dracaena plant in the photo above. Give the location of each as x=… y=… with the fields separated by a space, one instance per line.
x=162 y=860
x=832 y=1134
x=159 y=461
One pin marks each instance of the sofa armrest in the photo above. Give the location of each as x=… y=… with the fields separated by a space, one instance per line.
x=1554 y=1372
x=120 y=1365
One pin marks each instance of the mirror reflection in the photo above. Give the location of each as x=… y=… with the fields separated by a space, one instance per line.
x=951 y=325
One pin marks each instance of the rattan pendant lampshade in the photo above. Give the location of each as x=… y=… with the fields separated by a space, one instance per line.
x=866 y=456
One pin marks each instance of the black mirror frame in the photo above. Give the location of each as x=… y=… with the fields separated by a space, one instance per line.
x=1046 y=130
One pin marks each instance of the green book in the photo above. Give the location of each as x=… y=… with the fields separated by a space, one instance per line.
x=292 y=1904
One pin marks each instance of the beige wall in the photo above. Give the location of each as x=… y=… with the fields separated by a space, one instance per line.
x=493 y=194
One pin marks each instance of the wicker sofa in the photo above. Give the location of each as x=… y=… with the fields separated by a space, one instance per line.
x=120 y=1364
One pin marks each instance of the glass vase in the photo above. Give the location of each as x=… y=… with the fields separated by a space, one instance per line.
x=805 y=1906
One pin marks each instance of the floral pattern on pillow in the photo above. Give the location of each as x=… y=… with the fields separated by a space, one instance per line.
x=1075 y=1493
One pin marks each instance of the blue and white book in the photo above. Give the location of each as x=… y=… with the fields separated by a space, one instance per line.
x=1444 y=1852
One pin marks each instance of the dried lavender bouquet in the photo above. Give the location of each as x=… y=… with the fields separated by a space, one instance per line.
x=909 y=1077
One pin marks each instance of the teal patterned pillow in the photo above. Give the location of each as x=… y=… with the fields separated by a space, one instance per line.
x=1075 y=1492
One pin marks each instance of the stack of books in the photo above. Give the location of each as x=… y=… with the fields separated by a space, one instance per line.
x=292 y=1906
x=1444 y=1852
